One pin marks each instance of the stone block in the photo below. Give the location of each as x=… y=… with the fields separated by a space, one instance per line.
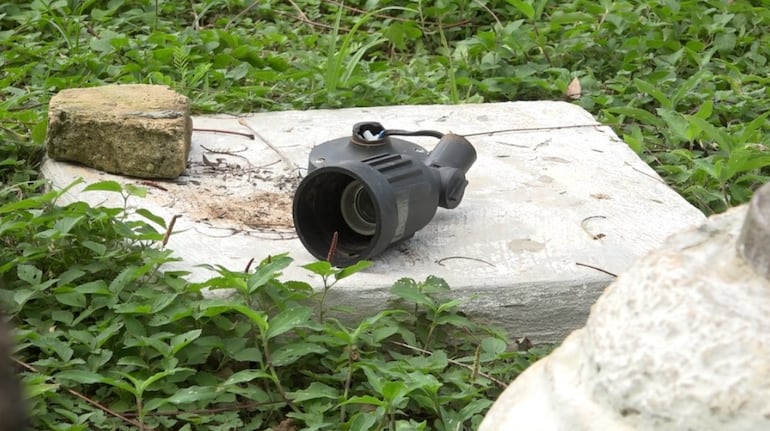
x=134 y=130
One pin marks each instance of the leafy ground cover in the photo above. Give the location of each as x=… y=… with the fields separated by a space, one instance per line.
x=683 y=82
x=108 y=341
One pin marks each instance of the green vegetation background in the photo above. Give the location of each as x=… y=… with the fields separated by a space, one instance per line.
x=684 y=83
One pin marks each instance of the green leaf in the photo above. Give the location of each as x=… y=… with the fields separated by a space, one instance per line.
x=652 y=90
x=66 y=317
x=425 y=381
x=744 y=160
x=69 y=276
x=705 y=110
x=245 y=376
x=152 y=217
x=61 y=348
x=352 y=269
x=29 y=273
x=638 y=114
x=408 y=290
x=725 y=140
x=193 y=394
x=449 y=305
x=96 y=287
x=268 y=271
x=393 y=391
x=143 y=385
x=80 y=376
x=178 y=342
x=289 y=353
x=493 y=346
x=104 y=186
x=133 y=308
x=132 y=190
x=374 y=376
x=251 y=354
x=475 y=407
x=65 y=224
x=38 y=131
x=725 y=42
x=365 y=399
x=153 y=404
x=321 y=267
x=679 y=125
x=315 y=391
x=22 y=295
x=288 y=319
x=30 y=203
x=454 y=320
x=371 y=321
x=162 y=301
x=524 y=7
x=433 y=284
x=433 y=363
x=35 y=390
x=126 y=276
x=68 y=296
x=98 y=249
x=686 y=89
x=210 y=307
x=362 y=421
x=401 y=33
x=258 y=318
x=133 y=361
x=757 y=124
x=105 y=334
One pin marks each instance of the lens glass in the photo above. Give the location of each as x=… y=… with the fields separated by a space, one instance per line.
x=358 y=209
x=364 y=207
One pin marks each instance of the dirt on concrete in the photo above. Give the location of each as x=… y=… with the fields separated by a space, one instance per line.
x=226 y=192
x=259 y=210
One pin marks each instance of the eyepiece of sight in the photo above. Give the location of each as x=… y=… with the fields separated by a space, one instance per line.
x=374 y=191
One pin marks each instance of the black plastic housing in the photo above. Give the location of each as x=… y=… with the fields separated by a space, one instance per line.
x=376 y=192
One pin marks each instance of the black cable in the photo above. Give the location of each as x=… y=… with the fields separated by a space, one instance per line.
x=396 y=132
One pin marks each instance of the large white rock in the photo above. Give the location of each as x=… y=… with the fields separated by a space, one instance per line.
x=679 y=342
x=550 y=189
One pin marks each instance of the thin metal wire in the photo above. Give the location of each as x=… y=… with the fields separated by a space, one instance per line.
x=534 y=129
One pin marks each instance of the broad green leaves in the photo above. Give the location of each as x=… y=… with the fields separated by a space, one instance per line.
x=97 y=315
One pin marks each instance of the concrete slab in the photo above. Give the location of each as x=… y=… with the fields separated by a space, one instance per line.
x=552 y=194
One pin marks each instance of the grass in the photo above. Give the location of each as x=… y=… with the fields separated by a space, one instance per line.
x=684 y=83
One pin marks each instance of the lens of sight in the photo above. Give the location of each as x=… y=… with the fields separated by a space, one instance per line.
x=358 y=209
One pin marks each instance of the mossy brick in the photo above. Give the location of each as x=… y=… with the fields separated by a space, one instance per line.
x=135 y=130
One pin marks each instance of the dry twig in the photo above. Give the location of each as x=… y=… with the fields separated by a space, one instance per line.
x=596 y=268
x=452 y=361
x=83 y=397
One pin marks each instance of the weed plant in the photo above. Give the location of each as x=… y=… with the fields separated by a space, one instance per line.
x=110 y=341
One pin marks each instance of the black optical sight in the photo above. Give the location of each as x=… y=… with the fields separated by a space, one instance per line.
x=375 y=191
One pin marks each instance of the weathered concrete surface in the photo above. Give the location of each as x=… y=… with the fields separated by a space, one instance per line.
x=679 y=342
x=539 y=203
x=136 y=130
